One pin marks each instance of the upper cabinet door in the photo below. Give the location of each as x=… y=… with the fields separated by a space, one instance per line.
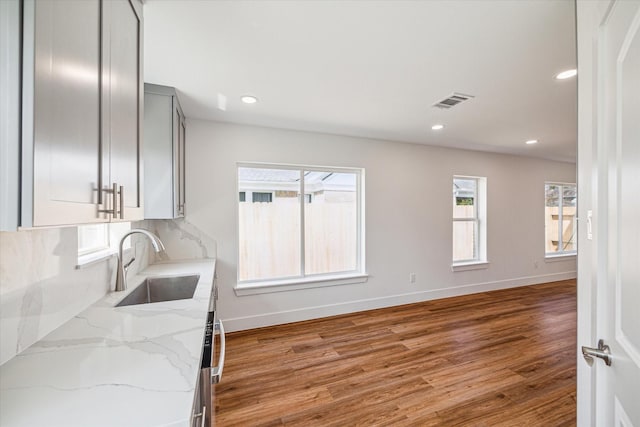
x=122 y=104
x=182 y=152
x=179 y=163
x=164 y=153
x=61 y=112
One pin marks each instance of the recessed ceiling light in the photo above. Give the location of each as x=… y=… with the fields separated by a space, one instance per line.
x=567 y=74
x=249 y=99
x=437 y=127
x=531 y=142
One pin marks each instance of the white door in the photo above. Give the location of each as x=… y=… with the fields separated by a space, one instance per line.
x=609 y=170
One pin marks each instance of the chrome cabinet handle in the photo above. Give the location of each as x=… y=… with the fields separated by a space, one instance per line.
x=114 y=193
x=114 y=200
x=216 y=371
x=121 y=202
x=602 y=352
x=202 y=415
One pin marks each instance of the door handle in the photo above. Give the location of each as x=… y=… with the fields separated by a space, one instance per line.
x=602 y=352
x=216 y=371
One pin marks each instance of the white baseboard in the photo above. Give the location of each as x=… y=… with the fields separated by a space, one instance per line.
x=297 y=315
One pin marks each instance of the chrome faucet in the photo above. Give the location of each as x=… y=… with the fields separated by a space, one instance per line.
x=121 y=275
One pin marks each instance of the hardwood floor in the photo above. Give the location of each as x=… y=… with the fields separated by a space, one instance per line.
x=502 y=358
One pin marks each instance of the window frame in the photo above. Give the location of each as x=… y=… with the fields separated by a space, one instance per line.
x=99 y=244
x=562 y=253
x=358 y=275
x=113 y=231
x=480 y=225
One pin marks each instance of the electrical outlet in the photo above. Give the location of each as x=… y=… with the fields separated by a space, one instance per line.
x=535 y=264
x=412 y=277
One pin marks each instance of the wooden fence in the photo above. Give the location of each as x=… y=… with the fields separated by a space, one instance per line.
x=270 y=239
x=552 y=218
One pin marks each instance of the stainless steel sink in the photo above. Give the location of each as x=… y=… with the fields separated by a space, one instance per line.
x=158 y=289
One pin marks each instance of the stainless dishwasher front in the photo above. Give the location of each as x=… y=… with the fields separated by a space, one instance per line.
x=210 y=373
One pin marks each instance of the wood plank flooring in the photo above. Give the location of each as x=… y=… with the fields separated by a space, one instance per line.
x=502 y=358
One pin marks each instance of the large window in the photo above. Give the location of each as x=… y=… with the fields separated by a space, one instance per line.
x=469 y=223
x=560 y=219
x=296 y=222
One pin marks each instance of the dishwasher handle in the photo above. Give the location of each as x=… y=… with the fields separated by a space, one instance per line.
x=216 y=371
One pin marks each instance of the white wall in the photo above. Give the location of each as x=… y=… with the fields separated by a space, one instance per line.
x=408 y=218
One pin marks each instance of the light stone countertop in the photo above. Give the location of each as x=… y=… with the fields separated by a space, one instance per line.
x=126 y=366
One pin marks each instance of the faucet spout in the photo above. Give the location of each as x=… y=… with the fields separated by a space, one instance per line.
x=121 y=274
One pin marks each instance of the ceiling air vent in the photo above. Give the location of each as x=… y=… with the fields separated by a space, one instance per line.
x=452 y=100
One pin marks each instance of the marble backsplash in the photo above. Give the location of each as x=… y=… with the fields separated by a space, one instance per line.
x=41 y=288
x=182 y=240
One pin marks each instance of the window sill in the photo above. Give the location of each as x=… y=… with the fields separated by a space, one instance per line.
x=87 y=260
x=92 y=258
x=560 y=257
x=466 y=266
x=266 y=287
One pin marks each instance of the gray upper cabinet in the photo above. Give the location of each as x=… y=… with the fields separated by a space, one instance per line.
x=10 y=46
x=81 y=105
x=61 y=112
x=123 y=115
x=164 y=153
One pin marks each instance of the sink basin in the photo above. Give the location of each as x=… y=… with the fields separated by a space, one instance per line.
x=158 y=289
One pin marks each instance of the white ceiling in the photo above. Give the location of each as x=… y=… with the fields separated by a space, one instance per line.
x=374 y=68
